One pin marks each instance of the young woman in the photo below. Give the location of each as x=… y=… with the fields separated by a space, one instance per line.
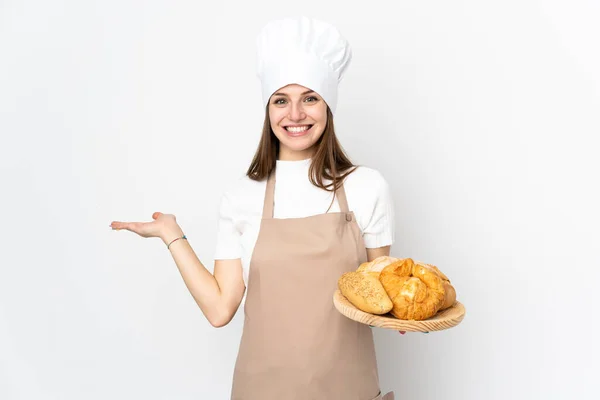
x=302 y=216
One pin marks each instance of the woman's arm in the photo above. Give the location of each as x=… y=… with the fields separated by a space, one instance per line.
x=378 y=252
x=218 y=295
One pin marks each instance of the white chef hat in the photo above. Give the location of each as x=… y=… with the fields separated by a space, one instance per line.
x=303 y=51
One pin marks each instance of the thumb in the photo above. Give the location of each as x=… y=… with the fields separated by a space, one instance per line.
x=156 y=215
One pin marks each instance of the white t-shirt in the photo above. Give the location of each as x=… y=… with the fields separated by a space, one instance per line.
x=240 y=212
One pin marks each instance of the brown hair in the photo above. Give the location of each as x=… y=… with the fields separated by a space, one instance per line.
x=329 y=161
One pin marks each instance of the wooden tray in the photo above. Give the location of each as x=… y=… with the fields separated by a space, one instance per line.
x=446 y=319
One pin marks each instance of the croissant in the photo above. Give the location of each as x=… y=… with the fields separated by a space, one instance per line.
x=416 y=290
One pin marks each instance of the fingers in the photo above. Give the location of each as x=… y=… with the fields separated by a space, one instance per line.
x=134 y=227
x=117 y=225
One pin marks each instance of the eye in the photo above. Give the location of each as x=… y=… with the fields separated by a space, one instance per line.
x=279 y=101
x=311 y=99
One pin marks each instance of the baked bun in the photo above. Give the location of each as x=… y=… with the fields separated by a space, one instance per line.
x=374 y=267
x=449 y=291
x=449 y=296
x=416 y=290
x=365 y=292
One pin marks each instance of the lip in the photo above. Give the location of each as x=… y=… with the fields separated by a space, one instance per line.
x=298 y=134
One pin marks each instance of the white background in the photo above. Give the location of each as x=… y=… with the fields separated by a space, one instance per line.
x=483 y=117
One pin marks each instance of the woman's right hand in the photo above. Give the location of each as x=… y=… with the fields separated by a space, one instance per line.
x=163 y=226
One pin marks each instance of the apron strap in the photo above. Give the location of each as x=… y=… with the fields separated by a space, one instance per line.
x=342 y=201
x=270 y=197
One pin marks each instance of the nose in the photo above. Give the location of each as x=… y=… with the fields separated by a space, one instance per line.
x=297 y=112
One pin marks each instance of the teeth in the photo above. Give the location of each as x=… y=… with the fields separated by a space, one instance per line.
x=297 y=129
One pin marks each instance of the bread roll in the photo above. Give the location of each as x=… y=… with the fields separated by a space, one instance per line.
x=449 y=291
x=365 y=292
x=416 y=289
x=374 y=267
x=449 y=295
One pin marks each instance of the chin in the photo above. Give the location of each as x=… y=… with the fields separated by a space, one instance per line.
x=299 y=149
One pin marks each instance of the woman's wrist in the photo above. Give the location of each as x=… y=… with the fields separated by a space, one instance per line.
x=174 y=240
x=171 y=234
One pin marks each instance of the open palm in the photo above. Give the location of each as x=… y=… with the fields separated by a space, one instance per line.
x=161 y=222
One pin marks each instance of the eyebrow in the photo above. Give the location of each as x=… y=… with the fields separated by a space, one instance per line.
x=283 y=94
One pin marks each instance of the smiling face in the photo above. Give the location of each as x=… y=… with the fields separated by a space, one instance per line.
x=298 y=117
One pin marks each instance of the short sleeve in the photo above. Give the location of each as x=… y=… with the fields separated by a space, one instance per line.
x=228 y=237
x=379 y=230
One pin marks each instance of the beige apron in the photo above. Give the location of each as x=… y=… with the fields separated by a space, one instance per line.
x=295 y=345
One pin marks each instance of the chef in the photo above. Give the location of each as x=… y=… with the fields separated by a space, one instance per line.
x=301 y=216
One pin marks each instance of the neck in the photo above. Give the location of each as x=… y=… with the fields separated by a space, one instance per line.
x=286 y=154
